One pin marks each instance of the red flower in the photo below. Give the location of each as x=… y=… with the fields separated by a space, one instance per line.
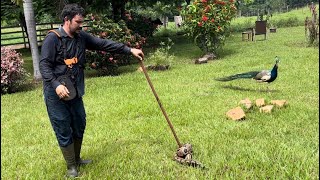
x=220 y=2
x=200 y=24
x=204 y=18
x=212 y=20
x=204 y=1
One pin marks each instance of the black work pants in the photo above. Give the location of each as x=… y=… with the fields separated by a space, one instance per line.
x=68 y=118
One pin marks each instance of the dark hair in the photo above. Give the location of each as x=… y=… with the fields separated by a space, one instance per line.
x=71 y=10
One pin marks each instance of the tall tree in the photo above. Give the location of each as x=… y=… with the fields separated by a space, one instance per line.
x=31 y=28
x=240 y=3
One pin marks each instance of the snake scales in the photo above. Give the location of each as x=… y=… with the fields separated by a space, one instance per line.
x=184 y=156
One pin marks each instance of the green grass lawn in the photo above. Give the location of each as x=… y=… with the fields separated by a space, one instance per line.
x=128 y=138
x=291 y=18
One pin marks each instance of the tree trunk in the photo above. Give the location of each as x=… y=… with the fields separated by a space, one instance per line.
x=31 y=28
x=239 y=12
x=118 y=10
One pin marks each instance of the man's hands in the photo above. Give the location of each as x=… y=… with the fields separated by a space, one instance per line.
x=137 y=53
x=62 y=91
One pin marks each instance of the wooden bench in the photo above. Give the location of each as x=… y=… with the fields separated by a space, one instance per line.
x=247 y=35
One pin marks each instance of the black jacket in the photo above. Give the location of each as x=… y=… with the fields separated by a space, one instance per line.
x=52 y=56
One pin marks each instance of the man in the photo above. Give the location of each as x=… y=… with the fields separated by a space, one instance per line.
x=63 y=54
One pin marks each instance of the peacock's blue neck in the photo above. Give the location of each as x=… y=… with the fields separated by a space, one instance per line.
x=274 y=73
x=274 y=70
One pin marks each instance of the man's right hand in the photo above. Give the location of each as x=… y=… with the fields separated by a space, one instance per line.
x=62 y=91
x=137 y=53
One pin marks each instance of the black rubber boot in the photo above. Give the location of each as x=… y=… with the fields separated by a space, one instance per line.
x=68 y=154
x=77 y=150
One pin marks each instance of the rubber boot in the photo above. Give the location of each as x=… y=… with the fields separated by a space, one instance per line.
x=68 y=154
x=77 y=150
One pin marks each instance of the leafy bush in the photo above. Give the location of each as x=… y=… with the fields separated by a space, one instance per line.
x=12 y=72
x=45 y=18
x=312 y=28
x=287 y=22
x=161 y=56
x=140 y=24
x=207 y=21
x=105 y=28
x=165 y=32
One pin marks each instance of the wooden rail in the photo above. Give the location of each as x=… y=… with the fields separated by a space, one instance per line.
x=16 y=36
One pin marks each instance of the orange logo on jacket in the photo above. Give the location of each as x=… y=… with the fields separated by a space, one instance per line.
x=71 y=62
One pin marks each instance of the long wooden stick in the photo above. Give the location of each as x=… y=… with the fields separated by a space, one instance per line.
x=158 y=100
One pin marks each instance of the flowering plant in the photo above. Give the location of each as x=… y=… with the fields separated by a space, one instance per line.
x=140 y=24
x=207 y=21
x=12 y=72
x=103 y=27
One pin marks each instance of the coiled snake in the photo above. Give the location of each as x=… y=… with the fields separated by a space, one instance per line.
x=184 y=156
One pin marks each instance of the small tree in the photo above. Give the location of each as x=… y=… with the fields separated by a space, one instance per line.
x=207 y=21
x=161 y=59
x=311 y=27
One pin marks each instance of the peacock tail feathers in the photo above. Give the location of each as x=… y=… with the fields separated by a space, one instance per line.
x=245 y=75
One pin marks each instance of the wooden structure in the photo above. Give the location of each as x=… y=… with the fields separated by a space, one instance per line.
x=247 y=35
x=16 y=36
x=260 y=29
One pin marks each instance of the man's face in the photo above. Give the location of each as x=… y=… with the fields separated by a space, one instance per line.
x=75 y=25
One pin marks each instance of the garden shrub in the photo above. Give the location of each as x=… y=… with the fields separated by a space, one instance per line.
x=140 y=24
x=161 y=56
x=12 y=72
x=287 y=22
x=103 y=27
x=208 y=21
x=312 y=29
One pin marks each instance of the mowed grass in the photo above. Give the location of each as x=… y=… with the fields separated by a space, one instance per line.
x=279 y=20
x=128 y=138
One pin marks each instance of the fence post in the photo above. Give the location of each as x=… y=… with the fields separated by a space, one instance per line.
x=24 y=38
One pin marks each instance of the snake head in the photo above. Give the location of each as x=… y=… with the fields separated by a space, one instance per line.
x=184 y=150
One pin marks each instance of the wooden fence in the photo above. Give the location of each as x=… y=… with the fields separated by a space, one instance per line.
x=16 y=36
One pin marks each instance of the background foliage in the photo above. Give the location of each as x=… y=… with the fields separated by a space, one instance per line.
x=12 y=72
x=128 y=138
x=207 y=22
x=105 y=28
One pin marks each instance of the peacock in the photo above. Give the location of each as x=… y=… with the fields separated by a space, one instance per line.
x=267 y=76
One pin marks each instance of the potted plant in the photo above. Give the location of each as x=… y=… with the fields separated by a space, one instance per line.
x=272 y=27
